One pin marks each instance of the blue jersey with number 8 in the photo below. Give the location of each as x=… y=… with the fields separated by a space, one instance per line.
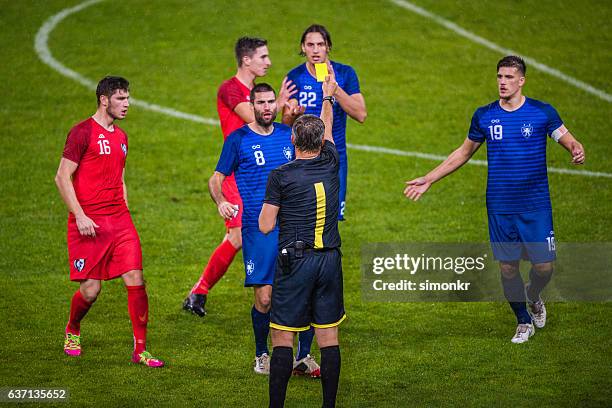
x=251 y=157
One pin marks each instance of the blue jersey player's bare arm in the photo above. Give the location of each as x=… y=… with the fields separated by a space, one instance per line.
x=417 y=187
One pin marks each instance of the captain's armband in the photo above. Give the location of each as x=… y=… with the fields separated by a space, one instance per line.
x=557 y=134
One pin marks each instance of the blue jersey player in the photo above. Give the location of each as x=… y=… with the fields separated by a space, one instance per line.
x=518 y=201
x=251 y=153
x=316 y=45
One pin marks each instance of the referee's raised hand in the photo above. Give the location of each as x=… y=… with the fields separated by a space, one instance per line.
x=330 y=85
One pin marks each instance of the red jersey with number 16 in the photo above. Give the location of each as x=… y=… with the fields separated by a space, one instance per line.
x=230 y=94
x=101 y=155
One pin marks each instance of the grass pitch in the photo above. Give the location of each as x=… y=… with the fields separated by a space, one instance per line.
x=421 y=82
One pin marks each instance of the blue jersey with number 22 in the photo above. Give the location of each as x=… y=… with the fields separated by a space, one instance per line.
x=310 y=95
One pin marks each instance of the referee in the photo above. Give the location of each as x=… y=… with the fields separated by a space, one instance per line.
x=303 y=195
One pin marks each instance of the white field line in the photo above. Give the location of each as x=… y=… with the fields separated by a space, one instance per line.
x=492 y=46
x=437 y=157
x=42 y=49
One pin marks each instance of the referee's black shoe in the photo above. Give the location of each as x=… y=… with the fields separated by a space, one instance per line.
x=195 y=304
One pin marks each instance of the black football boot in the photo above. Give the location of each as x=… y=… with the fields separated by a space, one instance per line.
x=195 y=304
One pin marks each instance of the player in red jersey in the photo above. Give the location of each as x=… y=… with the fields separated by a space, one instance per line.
x=102 y=241
x=234 y=111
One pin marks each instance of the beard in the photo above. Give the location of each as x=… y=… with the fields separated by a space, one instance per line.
x=261 y=121
x=110 y=113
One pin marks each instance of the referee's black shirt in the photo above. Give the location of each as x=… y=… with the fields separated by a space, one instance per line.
x=306 y=190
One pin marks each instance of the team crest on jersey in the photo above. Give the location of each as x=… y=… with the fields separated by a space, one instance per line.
x=124 y=148
x=79 y=264
x=101 y=136
x=250 y=267
x=526 y=130
x=288 y=153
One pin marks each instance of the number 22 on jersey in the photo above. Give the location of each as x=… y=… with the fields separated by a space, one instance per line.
x=308 y=99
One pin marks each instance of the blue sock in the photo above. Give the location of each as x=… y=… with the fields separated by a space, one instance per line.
x=514 y=290
x=537 y=282
x=304 y=343
x=261 y=328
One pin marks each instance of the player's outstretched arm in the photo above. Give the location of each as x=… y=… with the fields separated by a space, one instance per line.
x=267 y=218
x=226 y=209
x=569 y=142
x=63 y=181
x=419 y=186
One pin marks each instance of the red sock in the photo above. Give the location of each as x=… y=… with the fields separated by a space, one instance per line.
x=217 y=265
x=78 y=309
x=138 y=306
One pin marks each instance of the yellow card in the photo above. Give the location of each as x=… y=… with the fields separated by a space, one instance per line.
x=321 y=71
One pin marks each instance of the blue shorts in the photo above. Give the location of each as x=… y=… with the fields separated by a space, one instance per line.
x=259 y=252
x=343 y=175
x=528 y=236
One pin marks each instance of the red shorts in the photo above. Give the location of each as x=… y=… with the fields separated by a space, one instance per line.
x=114 y=250
x=230 y=191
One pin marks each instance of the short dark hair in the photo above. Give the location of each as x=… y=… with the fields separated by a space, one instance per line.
x=316 y=28
x=246 y=47
x=263 y=87
x=108 y=85
x=513 y=61
x=308 y=131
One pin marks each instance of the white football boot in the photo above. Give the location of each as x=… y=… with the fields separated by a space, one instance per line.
x=523 y=332
x=307 y=367
x=262 y=364
x=537 y=311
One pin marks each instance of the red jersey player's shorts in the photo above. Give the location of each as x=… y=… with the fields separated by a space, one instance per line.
x=230 y=191
x=114 y=250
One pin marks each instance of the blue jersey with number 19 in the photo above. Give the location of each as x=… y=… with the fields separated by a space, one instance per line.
x=251 y=157
x=516 y=152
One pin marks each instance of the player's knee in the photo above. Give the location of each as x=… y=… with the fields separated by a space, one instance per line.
x=263 y=298
x=281 y=338
x=234 y=236
x=133 y=278
x=327 y=337
x=90 y=292
x=264 y=302
x=509 y=270
x=543 y=269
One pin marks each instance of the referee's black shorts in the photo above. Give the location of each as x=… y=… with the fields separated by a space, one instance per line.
x=308 y=291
